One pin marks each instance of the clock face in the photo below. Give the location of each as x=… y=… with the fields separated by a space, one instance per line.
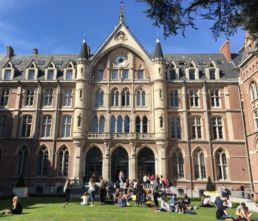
x=120 y=60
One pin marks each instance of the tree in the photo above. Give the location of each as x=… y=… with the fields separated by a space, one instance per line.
x=227 y=15
x=210 y=185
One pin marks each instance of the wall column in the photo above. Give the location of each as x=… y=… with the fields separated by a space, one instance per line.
x=162 y=160
x=132 y=163
x=77 y=173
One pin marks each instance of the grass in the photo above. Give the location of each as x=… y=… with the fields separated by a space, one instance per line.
x=51 y=208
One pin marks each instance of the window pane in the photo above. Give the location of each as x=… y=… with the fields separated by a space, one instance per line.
x=50 y=75
x=69 y=75
x=31 y=75
x=7 y=75
x=125 y=74
x=140 y=74
x=100 y=74
x=114 y=74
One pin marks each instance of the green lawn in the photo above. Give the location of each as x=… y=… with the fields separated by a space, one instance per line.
x=51 y=208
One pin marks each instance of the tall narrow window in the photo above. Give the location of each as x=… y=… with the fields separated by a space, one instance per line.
x=63 y=161
x=79 y=121
x=48 y=97
x=215 y=98
x=221 y=164
x=102 y=124
x=119 y=124
x=212 y=74
x=199 y=165
x=127 y=124
x=174 y=101
x=125 y=101
x=22 y=161
x=140 y=99
x=145 y=124
x=114 y=74
x=26 y=126
x=3 y=121
x=31 y=74
x=29 y=97
x=8 y=74
x=66 y=126
x=100 y=74
x=161 y=123
x=178 y=164
x=172 y=74
x=113 y=124
x=125 y=74
x=256 y=119
x=4 y=96
x=175 y=128
x=67 y=98
x=69 y=74
x=194 y=99
x=46 y=126
x=138 y=124
x=253 y=91
x=196 y=128
x=217 y=128
x=43 y=161
x=50 y=74
x=140 y=74
x=99 y=98
x=114 y=97
x=95 y=124
x=191 y=74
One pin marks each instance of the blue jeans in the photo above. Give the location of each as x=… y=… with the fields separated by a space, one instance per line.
x=92 y=196
x=223 y=217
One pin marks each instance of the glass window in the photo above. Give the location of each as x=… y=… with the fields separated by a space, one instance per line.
x=140 y=74
x=125 y=74
x=43 y=162
x=161 y=122
x=102 y=125
x=125 y=97
x=194 y=99
x=221 y=165
x=50 y=74
x=63 y=161
x=113 y=124
x=66 y=126
x=26 y=126
x=29 y=97
x=8 y=74
x=140 y=101
x=178 y=164
x=217 y=128
x=254 y=91
x=119 y=124
x=174 y=100
x=256 y=119
x=145 y=124
x=196 y=128
x=3 y=121
x=100 y=74
x=48 y=97
x=46 y=126
x=4 y=96
x=31 y=74
x=215 y=98
x=95 y=124
x=212 y=74
x=69 y=74
x=22 y=161
x=138 y=124
x=99 y=98
x=114 y=74
x=127 y=124
x=191 y=74
x=67 y=98
x=172 y=74
x=114 y=97
x=175 y=128
x=199 y=165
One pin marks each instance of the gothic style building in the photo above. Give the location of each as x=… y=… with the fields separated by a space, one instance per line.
x=121 y=108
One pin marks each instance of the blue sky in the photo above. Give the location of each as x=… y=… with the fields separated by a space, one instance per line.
x=58 y=26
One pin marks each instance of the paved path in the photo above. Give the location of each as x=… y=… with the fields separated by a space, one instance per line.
x=249 y=203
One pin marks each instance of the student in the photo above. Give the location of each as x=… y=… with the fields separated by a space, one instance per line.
x=102 y=191
x=156 y=188
x=92 y=191
x=16 y=207
x=218 y=202
x=206 y=201
x=173 y=203
x=226 y=192
x=85 y=198
x=243 y=213
x=164 y=206
x=67 y=190
x=221 y=212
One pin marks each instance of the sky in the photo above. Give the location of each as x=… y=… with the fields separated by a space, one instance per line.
x=58 y=27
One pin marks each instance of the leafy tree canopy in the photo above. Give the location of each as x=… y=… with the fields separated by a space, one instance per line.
x=174 y=16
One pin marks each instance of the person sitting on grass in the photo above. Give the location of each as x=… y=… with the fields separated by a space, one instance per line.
x=218 y=202
x=206 y=201
x=16 y=207
x=173 y=203
x=243 y=213
x=85 y=198
x=222 y=214
x=164 y=205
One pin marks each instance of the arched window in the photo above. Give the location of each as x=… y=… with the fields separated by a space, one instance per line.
x=140 y=101
x=113 y=124
x=199 y=165
x=125 y=101
x=22 y=161
x=79 y=121
x=253 y=91
x=102 y=124
x=221 y=165
x=178 y=164
x=95 y=124
x=63 y=159
x=127 y=125
x=161 y=123
x=99 y=98
x=146 y=162
x=119 y=124
x=114 y=97
x=138 y=124
x=145 y=124
x=43 y=161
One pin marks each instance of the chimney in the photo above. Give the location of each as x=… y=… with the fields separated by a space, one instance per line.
x=225 y=50
x=35 y=51
x=9 y=52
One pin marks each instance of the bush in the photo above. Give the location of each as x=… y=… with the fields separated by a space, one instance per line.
x=20 y=182
x=210 y=185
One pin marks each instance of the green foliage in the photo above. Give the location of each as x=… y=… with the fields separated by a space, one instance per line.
x=226 y=16
x=210 y=185
x=20 y=182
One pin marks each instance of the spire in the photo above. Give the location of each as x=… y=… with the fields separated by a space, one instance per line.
x=121 y=15
x=158 y=50
x=84 y=54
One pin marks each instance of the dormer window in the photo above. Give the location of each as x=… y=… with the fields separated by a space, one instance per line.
x=212 y=74
x=50 y=74
x=7 y=74
x=31 y=74
x=172 y=74
x=191 y=74
x=212 y=71
x=69 y=74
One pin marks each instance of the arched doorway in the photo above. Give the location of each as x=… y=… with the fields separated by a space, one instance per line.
x=146 y=163
x=93 y=163
x=119 y=162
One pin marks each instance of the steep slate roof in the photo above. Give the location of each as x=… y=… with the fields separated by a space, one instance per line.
x=227 y=70
x=158 y=50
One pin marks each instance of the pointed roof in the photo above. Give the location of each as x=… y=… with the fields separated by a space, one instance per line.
x=158 y=50
x=84 y=53
x=121 y=15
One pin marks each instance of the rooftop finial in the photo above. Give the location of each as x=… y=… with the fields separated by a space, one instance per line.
x=121 y=16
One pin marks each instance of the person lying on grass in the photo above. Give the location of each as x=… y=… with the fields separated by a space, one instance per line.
x=16 y=207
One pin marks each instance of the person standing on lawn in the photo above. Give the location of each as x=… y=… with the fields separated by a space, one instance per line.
x=67 y=190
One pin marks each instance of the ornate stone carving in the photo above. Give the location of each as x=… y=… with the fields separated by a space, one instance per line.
x=121 y=36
